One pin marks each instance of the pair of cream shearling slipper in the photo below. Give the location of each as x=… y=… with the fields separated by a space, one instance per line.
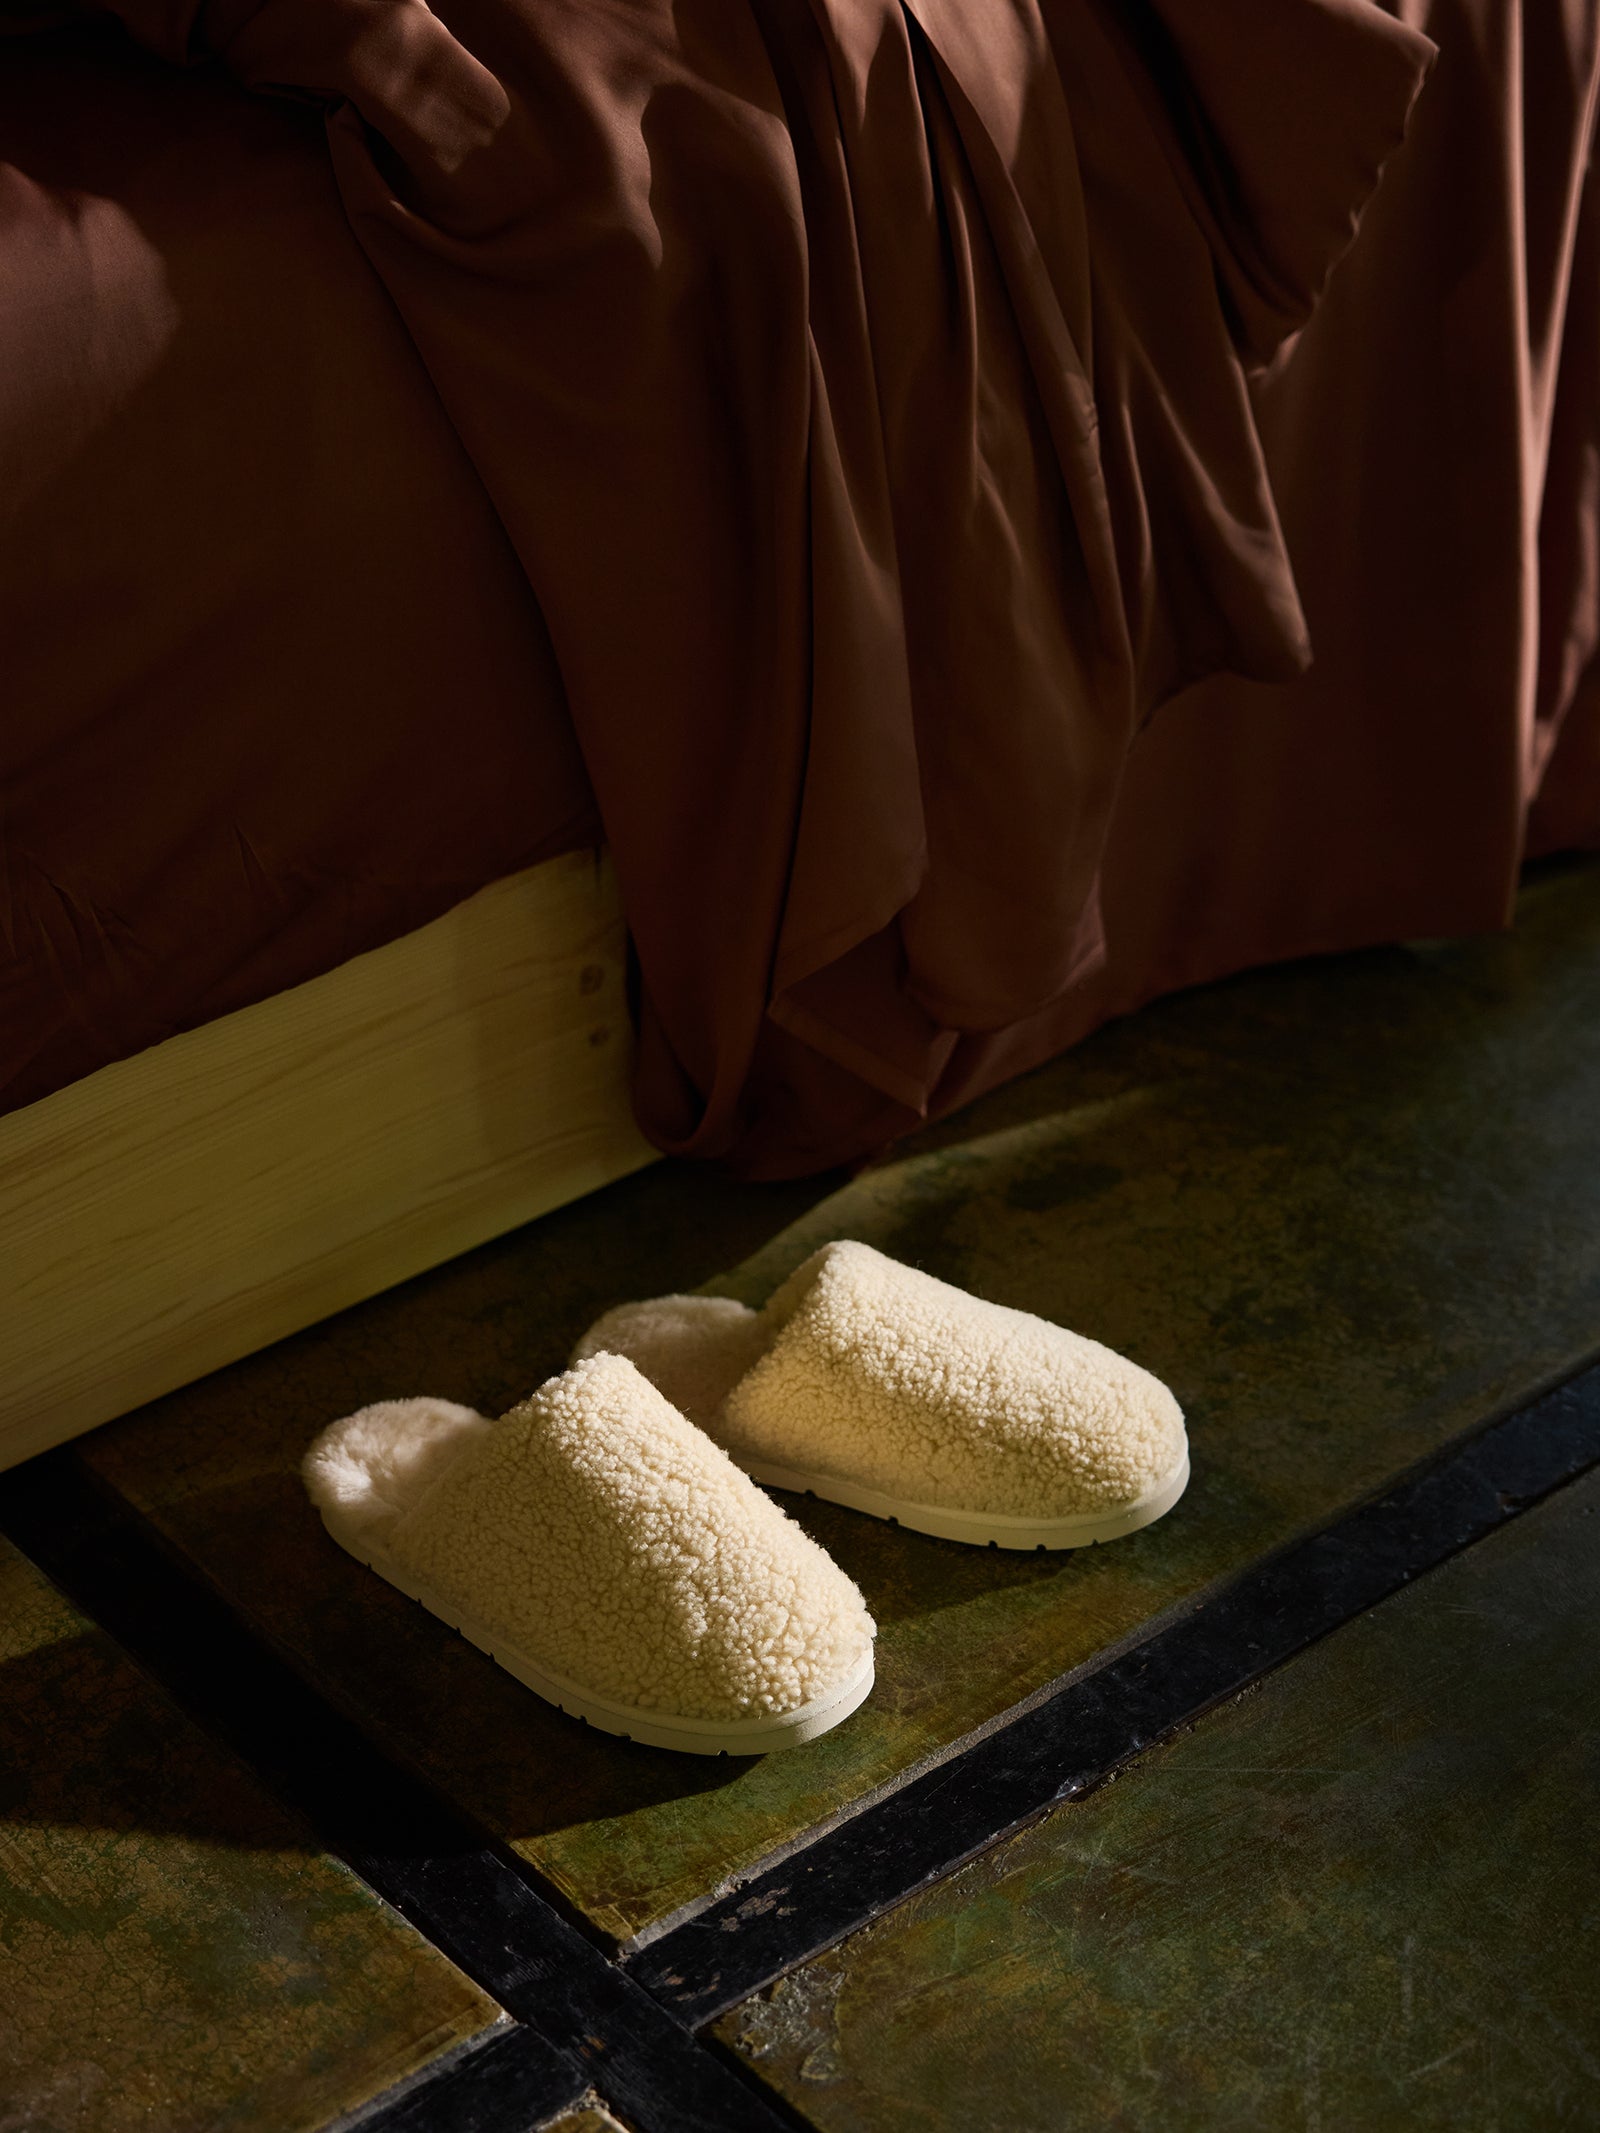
x=606 y=1543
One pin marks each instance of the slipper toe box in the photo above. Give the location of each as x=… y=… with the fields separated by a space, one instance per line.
x=603 y=1534
x=886 y=1376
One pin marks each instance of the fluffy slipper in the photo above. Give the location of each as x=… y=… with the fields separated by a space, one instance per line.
x=877 y=1386
x=606 y=1552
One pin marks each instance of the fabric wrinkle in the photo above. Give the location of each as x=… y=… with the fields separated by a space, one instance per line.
x=1012 y=502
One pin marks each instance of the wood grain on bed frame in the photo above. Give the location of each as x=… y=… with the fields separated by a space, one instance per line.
x=179 y=1209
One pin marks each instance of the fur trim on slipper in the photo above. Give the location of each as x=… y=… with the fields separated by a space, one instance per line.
x=875 y=1385
x=610 y=1555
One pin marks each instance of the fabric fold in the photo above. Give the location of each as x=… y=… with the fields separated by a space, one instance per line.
x=863 y=390
x=1280 y=119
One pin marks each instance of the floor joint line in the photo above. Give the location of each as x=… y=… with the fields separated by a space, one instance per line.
x=588 y=2023
x=1063 y=1745
x=627 y=2027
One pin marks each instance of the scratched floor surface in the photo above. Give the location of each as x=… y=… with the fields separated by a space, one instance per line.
x=1346 y=1209
x=1366 y=1895
x=176 y=1952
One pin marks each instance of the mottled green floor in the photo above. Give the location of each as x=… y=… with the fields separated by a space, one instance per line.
x=1366 y=1895
x=175 y=1951
x=1346 y=1209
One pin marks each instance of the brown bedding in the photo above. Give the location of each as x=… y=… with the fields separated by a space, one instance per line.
x=273 y=689
x=897 y=414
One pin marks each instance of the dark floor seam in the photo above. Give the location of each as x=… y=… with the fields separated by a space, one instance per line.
x=584 y=2021
x=509 y=2080
x=626 y=2028
x=1064 y=1745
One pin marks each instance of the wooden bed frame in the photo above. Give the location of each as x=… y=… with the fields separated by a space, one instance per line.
x=181 y=1208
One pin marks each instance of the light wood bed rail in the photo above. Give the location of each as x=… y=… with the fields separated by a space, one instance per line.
x=181 y=1208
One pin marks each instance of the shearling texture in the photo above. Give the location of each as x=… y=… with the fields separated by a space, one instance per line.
x=693 y=1349
x=363 y=1471
x=616 y=1544
x=869 y=1370
x=883 y=1375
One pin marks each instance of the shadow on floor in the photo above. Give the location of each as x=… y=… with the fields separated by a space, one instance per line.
x=1345 y=1209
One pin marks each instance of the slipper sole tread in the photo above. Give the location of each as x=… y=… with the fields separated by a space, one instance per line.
x=991 y=1529
x=654 y=1728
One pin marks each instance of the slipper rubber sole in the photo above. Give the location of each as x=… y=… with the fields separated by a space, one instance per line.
x=981 y=1529
x=656 y=1729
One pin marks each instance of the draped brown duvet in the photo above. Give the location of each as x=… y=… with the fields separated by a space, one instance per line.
x=901 y=417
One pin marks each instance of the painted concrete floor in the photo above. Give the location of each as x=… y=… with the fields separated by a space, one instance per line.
x=1347 y=1210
